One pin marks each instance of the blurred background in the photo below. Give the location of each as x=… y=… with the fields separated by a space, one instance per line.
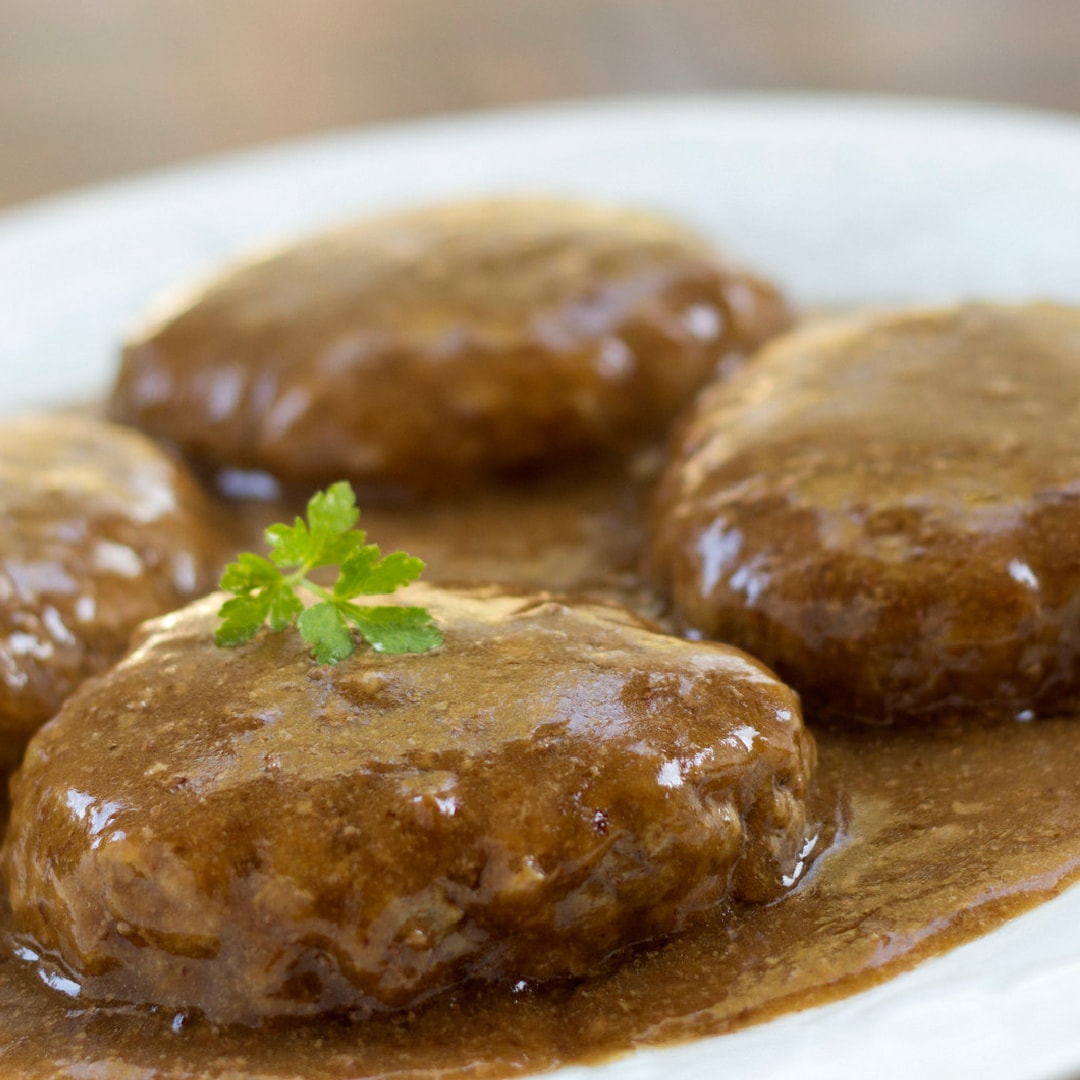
x=91 y=91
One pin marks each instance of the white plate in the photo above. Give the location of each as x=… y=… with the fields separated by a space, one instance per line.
x=842 y=201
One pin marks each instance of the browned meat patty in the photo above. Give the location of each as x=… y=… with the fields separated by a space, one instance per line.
x=887 y=510
x=99 y=529
x=436 y=348
x=239 y=831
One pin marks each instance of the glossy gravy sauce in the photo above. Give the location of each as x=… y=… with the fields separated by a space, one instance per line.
x=930 y=837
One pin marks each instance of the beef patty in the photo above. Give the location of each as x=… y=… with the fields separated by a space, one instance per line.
x=886 y=509
x=433 y=349
x=99 y=529
x=242 y=832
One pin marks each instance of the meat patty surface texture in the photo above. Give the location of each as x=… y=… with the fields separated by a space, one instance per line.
x=427 y=351
x=99 y=530
x=245 y=833
x=886 y=510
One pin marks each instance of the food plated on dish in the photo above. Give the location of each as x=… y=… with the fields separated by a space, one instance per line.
x=891 y=849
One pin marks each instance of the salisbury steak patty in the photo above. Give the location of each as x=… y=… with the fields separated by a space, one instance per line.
x=99 y=530
x=887 y=510
x=432 y=349
x=245 y=833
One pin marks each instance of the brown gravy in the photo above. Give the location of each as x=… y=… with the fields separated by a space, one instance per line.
x=938 y=835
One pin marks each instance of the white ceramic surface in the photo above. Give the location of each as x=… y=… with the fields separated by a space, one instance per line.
x=841 y=200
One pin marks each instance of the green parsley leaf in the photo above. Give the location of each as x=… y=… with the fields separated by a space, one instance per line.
x=241 y=618
x=323 y=628
x=248 y=572
x=267 y=590
x=285 y=607
x=333 y=511
x=395 y=629
x=289 y=544
x=366 y=572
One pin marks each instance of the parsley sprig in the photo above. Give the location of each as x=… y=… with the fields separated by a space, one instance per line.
x=266 y=590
